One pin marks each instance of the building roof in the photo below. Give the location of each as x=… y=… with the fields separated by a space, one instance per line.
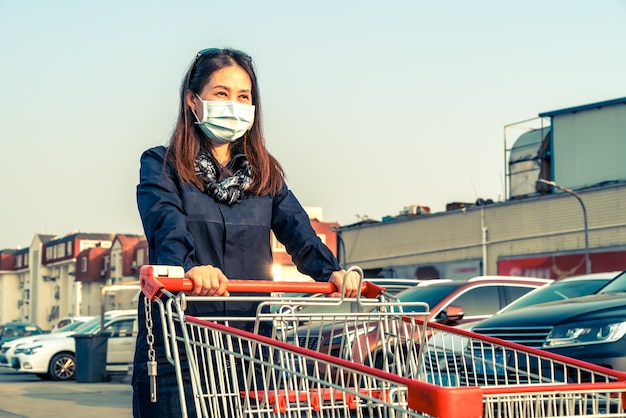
x=583 y=107
x=128 y=240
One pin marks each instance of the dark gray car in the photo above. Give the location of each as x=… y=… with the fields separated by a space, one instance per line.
x=16 y=329
x=589 y=328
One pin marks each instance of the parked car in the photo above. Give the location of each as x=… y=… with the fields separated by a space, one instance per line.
x=15 y=329
x=455 y=302
x=590 y=328
x=442 y=300
x=54 y=358
x=7 y=349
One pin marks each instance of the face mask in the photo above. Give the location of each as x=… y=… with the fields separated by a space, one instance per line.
x=225 y=120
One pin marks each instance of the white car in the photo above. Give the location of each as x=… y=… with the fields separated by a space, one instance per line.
x=7 y=349
x=54 y=358
x=69 y=320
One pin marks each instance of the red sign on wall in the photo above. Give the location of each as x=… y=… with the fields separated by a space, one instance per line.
x=560 y=266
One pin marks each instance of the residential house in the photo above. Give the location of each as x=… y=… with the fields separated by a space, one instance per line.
x=109 y=276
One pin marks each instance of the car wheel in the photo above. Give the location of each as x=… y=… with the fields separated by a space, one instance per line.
x=62 y=367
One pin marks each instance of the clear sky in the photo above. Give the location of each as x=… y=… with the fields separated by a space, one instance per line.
x=369 y=105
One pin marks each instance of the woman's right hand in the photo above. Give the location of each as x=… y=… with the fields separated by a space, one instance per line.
x=208 y=281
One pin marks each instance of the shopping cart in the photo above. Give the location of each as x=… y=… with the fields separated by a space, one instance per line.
x=234 y=374
x=428 y=370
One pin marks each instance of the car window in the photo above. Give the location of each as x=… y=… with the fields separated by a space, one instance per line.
x=617 y=285
x=63 y=323
x=20 y=330
x=431 y=295
x=558 y=291
x=121 y=328
x=580 y=288
x=71 y=327
x=479 y=301
x=91 y=325
x=516 y=292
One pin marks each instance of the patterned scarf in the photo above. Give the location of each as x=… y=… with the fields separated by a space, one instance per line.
x=232 y=189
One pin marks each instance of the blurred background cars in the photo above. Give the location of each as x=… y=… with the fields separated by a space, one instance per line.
x=7 y=349
x=55 y=357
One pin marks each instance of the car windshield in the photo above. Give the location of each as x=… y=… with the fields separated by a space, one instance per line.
x=617 y=285
x=68 y=327
x=431 y=295
x=13 y=330
x=88 y=327
x=559 y=290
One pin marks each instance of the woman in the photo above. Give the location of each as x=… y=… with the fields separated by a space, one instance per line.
x=208 y=203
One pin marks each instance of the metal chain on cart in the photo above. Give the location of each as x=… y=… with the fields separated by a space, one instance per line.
x=152 y=364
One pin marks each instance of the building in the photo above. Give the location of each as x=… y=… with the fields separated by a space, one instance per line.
x=284 y=268
x=109 y=277
x=572 y=221
x=62 y=276
x=540 y=236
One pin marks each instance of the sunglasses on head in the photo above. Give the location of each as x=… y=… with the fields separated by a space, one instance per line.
x=211 y=52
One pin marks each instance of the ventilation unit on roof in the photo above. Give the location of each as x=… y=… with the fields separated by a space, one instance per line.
x=526 y=161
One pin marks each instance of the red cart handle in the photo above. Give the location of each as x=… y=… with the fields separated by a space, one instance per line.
x=154 y=278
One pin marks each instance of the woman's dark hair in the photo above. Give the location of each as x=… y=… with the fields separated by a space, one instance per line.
x=187 y=139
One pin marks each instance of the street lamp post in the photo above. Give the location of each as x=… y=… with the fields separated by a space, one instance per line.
x=582 y=205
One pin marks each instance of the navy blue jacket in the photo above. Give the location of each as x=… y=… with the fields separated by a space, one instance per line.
x=186 y=227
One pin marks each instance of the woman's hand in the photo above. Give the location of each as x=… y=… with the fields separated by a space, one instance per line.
x=208 y=281
x=350 y=282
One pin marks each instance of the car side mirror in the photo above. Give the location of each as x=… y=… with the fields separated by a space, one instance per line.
x=453 y=313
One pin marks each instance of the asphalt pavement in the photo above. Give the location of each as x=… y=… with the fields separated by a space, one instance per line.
x=24 y=396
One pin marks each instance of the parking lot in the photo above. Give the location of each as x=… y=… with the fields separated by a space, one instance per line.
x=23 y=395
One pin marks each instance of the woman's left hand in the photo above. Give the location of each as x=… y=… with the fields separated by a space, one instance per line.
x=349 y=281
